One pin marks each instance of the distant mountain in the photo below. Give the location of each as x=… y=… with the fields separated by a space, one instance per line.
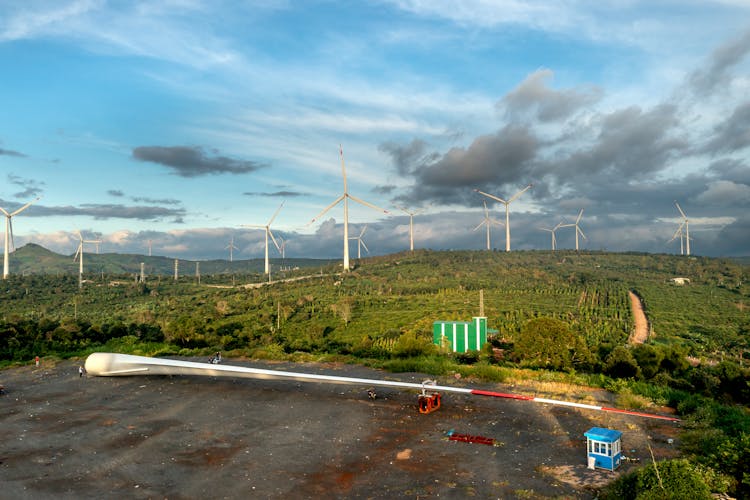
x=35 y=259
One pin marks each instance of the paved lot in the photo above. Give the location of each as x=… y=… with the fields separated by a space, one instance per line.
x=202 y=437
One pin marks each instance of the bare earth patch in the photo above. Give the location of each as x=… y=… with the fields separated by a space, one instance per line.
x=202 y=437
x=640 y=332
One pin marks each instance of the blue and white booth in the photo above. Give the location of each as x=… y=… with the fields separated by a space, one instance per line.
x=604 y=448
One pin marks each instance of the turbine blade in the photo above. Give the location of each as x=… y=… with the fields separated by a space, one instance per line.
x=581 y=232
x=480 y=225
x=4 y=212
x=326 y=209
x=25 y=206
x=520 y=193
x=276 y=213
x=12 y=242
x=491 y=196
x=580 y=214
x=343 y=168
x=273 y=239
x=363 y=244
x=363 y=231
x=367 y=204
x=680 y=209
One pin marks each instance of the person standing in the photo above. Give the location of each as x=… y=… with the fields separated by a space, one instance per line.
x=36 y=360
x=80 y=371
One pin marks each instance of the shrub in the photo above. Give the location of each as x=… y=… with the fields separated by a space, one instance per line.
x=621 y=364
x=676 y=480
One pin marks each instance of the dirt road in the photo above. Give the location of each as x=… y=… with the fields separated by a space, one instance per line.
x=640 y=331
x=65 y=436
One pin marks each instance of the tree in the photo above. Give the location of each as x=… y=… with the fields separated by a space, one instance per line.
x=550 y=343
x=621 y=364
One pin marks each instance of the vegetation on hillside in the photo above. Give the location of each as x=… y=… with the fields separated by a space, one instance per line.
x=561 y=312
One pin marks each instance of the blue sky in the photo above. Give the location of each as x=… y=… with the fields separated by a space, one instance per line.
x=181 y=121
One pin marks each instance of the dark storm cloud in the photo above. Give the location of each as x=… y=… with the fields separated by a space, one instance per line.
x=733 y=134
x=155 y=201
x=631 y=145
x=730 y=169
x=407 y=157
x=9 y=152
x=115 y=192
x=191 y=161
x=705 y=80
x=277 y=194
x=732 y=240
x=535 y=98
x=30 y=187
x=110 y=211
x=491 y=160
x=384 y=190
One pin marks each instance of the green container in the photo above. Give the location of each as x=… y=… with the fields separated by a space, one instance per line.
x=463 y=336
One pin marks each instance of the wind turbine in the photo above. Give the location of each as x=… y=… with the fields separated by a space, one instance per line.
x=507 y=211
x=552 y=231
x=360 y=243
x=231 y=247
x=487 y=222
x=267 y=228
x=345 y=198
x=681 y=234
x=686 y=223
x=578 y=229
x=411 y=225
x=9 y=233
x=79 y=256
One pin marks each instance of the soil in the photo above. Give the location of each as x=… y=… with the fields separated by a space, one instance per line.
x=640 y=333
x=180 y=437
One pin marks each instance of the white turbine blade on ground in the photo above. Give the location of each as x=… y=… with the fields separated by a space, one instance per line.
x=275 y=213
x=102 y=364
x=520 y=193
x=367 y=204
x=496 y=198
x=326 y=209
x=25 y=206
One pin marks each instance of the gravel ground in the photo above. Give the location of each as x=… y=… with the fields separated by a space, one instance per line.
x=65 y=436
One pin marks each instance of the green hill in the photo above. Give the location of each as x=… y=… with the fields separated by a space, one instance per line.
x=35 y=259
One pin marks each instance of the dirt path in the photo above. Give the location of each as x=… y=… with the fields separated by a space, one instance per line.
x=640 y=333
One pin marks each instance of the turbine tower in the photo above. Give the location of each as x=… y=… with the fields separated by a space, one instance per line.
x=345 y=198
x=9 y=233
x=507 y=211
x=578 y=229
x=411 y=225
x=552 y=231
x=360 y=243
x=231 y=247
x=488 y=222
x=79 y=256
x=686 y=223
x=267 y=228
